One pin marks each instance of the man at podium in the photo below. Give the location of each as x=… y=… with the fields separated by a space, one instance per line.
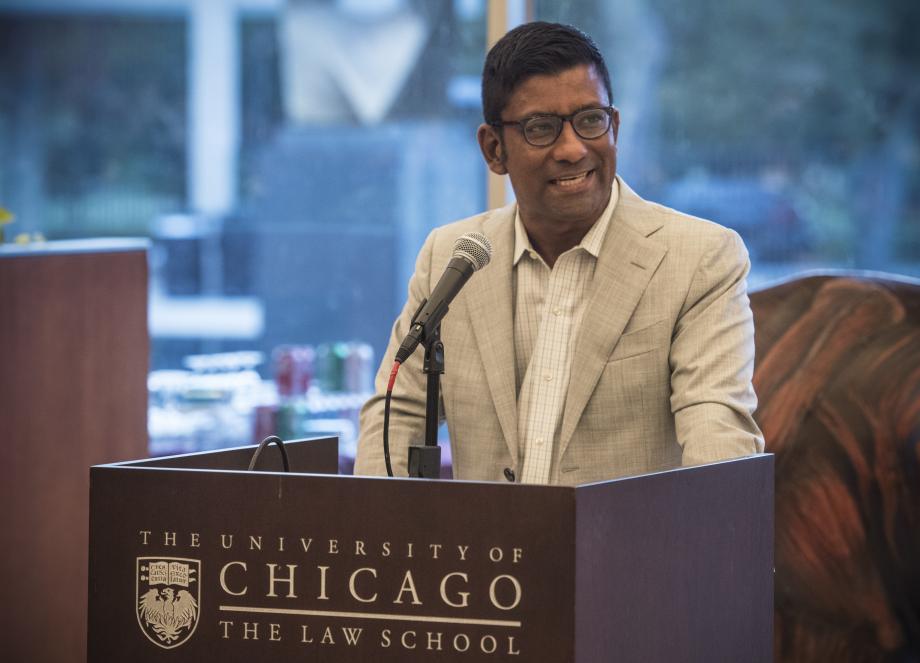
x=608 y=335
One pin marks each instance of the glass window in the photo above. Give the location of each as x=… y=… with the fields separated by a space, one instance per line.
x=286 y=159
x=797 y=124
x=358 y=138
x=92 y=122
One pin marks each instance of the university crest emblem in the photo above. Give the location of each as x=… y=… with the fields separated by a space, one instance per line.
x=168 y=599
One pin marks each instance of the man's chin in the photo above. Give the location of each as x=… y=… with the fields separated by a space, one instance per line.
x=582 y=210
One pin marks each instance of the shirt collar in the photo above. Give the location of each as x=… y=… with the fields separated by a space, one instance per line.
x=591 y=242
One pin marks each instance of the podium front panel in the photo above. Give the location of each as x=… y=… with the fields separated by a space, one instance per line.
x=208 y=565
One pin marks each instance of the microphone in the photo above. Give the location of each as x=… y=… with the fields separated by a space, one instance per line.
x=472 y=251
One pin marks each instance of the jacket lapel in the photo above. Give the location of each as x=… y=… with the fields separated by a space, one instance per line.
x=627 y=261
x=491 y=316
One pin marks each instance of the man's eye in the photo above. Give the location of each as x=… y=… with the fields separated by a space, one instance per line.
x=540 y=127
x=590 y=120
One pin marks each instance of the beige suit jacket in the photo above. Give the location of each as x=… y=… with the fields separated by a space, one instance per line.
x=662 y=367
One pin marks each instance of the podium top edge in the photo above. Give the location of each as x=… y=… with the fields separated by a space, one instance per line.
x=154 y=468
x=131 y=465
x=150 y=461
x=750 y=458
x=349 y=477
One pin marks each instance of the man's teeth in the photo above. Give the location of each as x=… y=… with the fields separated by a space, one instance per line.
x=569 y=181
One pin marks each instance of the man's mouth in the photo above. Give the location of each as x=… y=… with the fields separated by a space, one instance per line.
x=572 y=180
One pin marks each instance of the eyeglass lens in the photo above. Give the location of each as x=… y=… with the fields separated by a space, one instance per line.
x=545 y=129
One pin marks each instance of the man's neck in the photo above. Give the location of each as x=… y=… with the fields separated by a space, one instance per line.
x=551 y=237
x=552 y=241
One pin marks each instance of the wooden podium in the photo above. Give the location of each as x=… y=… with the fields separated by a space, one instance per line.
x=194 y=559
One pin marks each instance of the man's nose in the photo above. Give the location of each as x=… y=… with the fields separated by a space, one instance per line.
x=569 y=147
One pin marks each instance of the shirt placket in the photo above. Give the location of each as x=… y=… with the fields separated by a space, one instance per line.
x=549 y=371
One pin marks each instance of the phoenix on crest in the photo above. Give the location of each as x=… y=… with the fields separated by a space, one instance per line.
x=168 y=612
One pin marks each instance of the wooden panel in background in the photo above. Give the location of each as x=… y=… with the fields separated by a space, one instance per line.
x=74 y=354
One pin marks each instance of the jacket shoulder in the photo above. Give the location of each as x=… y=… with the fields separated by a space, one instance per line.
x=442 y=239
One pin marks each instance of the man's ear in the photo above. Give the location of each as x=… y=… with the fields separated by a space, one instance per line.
x=493 y=149
x=616 y=124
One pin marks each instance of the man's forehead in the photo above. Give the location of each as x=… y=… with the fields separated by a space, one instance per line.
x=564 y=92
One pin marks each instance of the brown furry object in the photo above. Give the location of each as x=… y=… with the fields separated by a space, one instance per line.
x=838 y=378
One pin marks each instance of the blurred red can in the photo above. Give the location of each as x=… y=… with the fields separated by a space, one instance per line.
x=293 y=369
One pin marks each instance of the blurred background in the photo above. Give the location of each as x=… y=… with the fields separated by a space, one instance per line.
x=286 y=159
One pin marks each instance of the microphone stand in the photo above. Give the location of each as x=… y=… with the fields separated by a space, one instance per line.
x=425 y=461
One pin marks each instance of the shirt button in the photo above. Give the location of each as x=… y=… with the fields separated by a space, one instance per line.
x=557 y=311
x=539 y=441
x=547 y=377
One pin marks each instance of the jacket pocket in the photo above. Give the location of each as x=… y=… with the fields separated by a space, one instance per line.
x=639 y=342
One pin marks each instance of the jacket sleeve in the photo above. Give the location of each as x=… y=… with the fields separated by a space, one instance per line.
x=407 y=406
x=712 y=359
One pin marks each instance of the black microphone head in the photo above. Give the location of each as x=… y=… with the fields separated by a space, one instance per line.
x=474 y=247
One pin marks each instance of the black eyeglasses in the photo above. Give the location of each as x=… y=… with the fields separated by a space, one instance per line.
x=543 y=130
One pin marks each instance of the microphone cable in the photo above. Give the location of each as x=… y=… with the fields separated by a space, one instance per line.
x=386 y=419
x=258 y=452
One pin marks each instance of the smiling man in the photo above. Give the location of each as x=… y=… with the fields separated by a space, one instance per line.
x=608 y=335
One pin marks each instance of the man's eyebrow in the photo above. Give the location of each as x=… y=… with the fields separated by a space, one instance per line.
x=577 y=110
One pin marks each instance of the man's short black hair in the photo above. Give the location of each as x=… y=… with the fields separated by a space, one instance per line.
x=531 y=49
